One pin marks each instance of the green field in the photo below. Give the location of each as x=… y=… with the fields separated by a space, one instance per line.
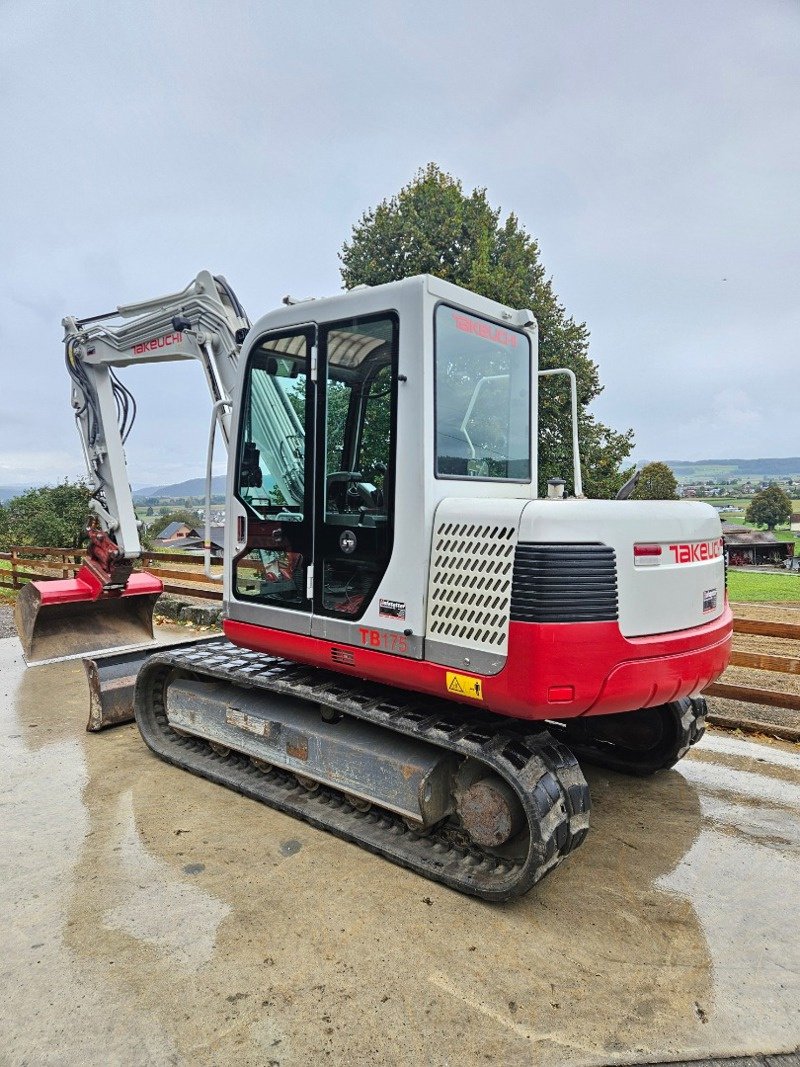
x=736 y=518
x=751 y=587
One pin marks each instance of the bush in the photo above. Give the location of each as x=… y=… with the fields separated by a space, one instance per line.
x=53 y=516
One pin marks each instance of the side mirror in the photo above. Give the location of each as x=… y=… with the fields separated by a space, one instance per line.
x=250 y=476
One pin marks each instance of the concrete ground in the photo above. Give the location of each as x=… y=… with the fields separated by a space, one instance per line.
x=150 y=917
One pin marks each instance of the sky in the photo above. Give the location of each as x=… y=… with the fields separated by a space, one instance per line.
x=651 y=148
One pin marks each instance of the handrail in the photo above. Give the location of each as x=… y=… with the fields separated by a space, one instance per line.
x=576 y=456
x=216 y=412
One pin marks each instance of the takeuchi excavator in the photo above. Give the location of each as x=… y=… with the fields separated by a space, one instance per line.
x=418 y=647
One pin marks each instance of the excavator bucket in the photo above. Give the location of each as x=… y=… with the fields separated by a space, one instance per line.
x=76 y=616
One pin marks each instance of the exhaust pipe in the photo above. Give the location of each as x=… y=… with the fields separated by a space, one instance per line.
x=75 y=616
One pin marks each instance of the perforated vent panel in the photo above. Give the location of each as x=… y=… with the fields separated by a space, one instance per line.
x=469 y=595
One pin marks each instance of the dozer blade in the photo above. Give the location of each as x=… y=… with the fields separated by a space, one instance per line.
x=112 y=680
x=74 y=616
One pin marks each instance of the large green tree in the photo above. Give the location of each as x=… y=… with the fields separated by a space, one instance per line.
x=656 y=482
x=770 y=507
x=433 y=227
x=53 y=516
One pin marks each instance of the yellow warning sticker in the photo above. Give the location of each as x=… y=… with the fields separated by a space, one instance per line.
x=464 y=685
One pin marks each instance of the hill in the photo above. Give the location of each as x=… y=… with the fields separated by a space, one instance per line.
x=700 y=470
x=725 y=469
x=192 y=487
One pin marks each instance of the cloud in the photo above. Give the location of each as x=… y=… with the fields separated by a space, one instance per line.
x=24 y=468
x=650 y=148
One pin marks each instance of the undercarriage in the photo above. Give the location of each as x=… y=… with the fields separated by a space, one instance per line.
x=483 y=804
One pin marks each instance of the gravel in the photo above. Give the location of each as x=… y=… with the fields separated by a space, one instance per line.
x=7 y=628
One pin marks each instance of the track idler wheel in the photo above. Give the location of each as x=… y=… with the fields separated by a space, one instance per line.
x=639 y=742
x=490 y=812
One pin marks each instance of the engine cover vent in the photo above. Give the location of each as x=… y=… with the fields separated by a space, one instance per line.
x=470 y=585
x=564 y=583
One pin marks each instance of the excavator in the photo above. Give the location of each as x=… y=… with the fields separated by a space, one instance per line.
x=418 y=647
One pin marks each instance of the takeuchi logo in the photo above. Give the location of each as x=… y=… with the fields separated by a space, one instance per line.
x=158 y=342
x=485 y=330
x=697 y=551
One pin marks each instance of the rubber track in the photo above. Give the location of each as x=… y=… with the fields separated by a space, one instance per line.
x=543 y=773
x=686 y=721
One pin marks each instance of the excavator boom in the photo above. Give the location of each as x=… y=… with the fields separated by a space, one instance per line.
x=108 y=604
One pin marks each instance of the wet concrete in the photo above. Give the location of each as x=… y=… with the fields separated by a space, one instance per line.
x=150 y=917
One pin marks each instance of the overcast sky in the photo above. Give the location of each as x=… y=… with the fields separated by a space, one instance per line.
x=652 y=149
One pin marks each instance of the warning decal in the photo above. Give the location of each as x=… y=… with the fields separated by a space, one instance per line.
x=464 y=685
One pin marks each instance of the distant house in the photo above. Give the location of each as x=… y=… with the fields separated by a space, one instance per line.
x=191 y=540
x=795 y=525
x=176 y=531
x=746 y=547
x=194 y=544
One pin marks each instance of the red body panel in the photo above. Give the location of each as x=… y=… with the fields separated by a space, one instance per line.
x=553 y=670
x=87 y=586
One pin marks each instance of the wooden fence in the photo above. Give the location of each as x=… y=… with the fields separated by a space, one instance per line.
x=183 y=575
x=760 y=661
x=24 y=563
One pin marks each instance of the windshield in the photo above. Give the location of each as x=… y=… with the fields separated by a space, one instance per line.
x=483 y=390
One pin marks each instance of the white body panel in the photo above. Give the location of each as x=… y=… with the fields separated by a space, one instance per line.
x=469 y=588
x=652 y=599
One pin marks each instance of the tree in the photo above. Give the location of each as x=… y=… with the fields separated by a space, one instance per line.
x=431 y=226
x=656 y=482
x=769 y=508
x=53 y=516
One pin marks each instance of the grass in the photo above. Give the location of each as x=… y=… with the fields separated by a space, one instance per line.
x=751 y=587
x=740 y=502
x=7 y=595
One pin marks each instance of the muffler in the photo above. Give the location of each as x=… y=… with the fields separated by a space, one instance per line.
x=74 y=616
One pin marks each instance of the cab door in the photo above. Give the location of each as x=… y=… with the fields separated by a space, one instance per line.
x=275 y=483
x=315 y=475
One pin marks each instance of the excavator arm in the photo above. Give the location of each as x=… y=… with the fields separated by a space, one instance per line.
x=204 y=322
x=107 y=604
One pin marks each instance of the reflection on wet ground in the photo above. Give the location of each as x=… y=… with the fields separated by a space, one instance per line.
x=150 y=917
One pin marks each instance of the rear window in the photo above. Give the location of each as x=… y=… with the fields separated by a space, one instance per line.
x=483 y=398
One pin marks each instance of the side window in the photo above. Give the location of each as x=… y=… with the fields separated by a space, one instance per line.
x=483 y=382
x=374 y=445
x=358 y=418
x=271 y=474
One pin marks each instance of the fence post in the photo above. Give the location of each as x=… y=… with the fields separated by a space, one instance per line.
x=14 y=578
